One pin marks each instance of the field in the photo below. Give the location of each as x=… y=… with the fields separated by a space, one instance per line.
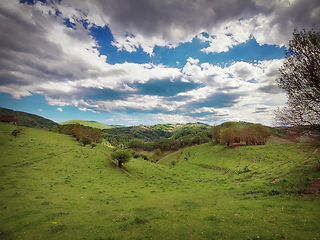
x=53 y=188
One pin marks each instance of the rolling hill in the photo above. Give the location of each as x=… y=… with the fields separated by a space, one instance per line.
x=92 y=124
x=149 y=133
x=54 y=188
x=29 y=120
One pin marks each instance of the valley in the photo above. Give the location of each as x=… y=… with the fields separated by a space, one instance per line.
x=52 y=187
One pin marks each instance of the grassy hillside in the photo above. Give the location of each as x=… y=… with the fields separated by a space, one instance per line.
x=176 y=128
x=53 y=188
x=29 y=120
x=149 y=133
x=92 y=124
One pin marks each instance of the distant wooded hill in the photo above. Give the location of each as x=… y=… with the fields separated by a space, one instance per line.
x=135 y=136
x=92 y=124
x=29 y=120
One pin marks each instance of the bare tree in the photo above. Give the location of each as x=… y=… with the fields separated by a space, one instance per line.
x=300 y=78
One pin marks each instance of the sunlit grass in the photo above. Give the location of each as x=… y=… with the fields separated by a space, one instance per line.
x=53 y=188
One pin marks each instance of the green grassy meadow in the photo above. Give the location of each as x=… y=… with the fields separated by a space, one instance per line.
x=92 y=124
x=51 y=187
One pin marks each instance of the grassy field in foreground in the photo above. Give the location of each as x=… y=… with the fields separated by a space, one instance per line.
x=53 y=188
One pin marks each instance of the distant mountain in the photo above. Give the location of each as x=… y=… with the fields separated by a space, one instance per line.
x=93 y=124
x=29 y=120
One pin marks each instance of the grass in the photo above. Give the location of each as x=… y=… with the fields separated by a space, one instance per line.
x=53 y=188
x=92 y=124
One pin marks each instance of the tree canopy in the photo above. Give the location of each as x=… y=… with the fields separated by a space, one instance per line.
x=300 y=78
x=227 y=136
x=122 y=156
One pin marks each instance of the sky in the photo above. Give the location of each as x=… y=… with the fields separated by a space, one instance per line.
x=125 y=62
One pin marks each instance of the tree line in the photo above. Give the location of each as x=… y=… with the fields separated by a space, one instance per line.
x=84 y=134
x=254 y=134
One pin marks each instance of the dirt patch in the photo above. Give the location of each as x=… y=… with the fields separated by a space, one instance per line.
x=120 y=169
x=276 y=180
x=313 y=189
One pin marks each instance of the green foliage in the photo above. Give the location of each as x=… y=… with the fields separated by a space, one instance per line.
x=164 y=136
x=78 y=131
x=227 y=136
x=93 y=145
x=121 y=156
x=29 y=120
x=216 y=130
x=85 y=140
x=255 y=134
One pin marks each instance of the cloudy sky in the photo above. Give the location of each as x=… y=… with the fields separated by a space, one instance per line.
x=133 y=62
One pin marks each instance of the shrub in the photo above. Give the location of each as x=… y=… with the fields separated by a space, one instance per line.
x=16 y=131
x=86 y=140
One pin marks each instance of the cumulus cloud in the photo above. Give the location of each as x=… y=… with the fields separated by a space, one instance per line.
x=168 y=23
x=40 y=54
x=60 y=109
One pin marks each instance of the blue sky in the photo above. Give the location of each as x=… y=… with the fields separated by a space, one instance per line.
x=147 y=62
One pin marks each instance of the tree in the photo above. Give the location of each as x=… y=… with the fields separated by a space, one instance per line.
x=227 y=136
x=9 y=119
x=77 y=131
x=262 y=134
x=216 y=133
x=122 y=156
x=85 y=140
x=300 y=78
x=255 y=134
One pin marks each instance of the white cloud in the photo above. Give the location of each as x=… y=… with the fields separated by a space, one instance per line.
x=41 y=55
x=169 y=23
x=60 y=109
x=173 y=118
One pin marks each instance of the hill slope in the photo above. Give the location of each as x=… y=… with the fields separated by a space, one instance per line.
x=28 y=119
x=92 y=124
x=54 y=188
x=149 y=133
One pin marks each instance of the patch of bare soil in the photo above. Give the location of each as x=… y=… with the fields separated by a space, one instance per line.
x=276 y=180
x=120 y=169
x=313 y=189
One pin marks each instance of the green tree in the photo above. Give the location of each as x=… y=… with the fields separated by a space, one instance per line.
x=262 y=134
x=299 y=77
x=96 y=135
x=85 y=140
x=77 y=131
x=122 y=156
x=255 y=134
x=227 y=136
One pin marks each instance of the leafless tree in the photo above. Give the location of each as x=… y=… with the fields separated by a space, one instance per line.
x=300 y=78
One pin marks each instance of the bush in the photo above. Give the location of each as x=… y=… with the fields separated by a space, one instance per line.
x=85 y=140
x=16 y=131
